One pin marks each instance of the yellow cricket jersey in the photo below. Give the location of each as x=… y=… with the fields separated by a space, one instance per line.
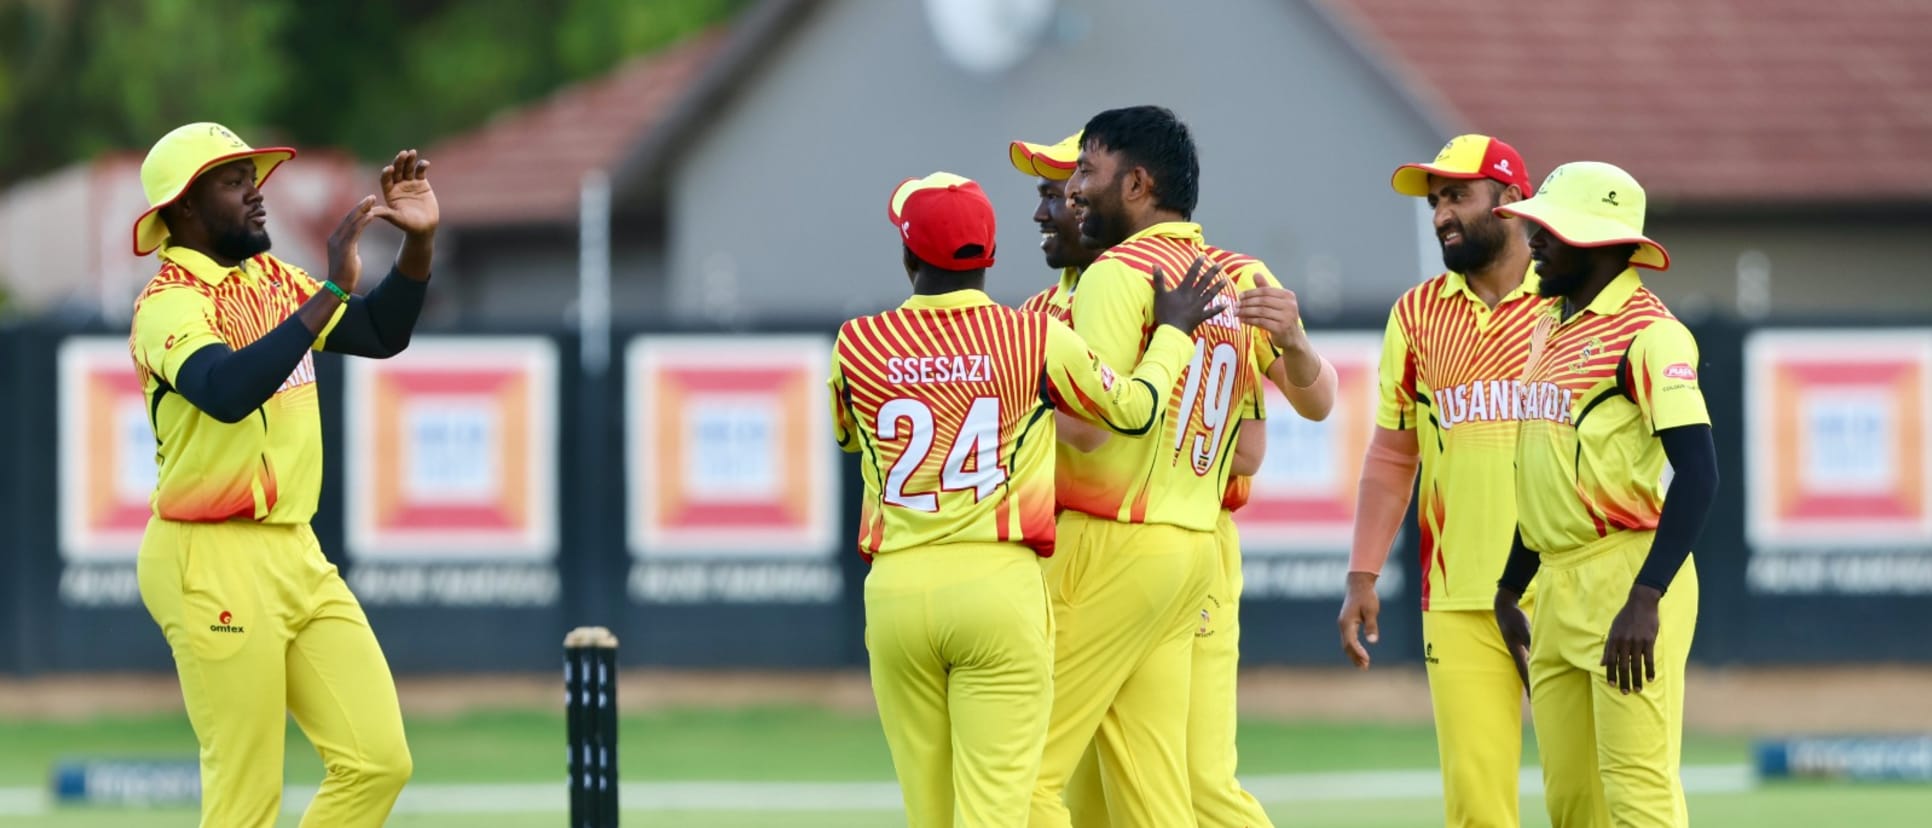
x=949 y=399
x=1599 y=387
x=1178 y=473
x=266 y=468
x=1451 y=371
x=1056 y=301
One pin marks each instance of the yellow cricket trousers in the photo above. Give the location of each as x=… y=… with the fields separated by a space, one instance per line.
x=1608 y=759
x=261 y=627
x=1127 y=602
x=1478 y=701
x=960 y=639
x=1219 y=799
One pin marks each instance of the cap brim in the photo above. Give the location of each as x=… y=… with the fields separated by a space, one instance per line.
x=1413 y=179
x=150 y=231
x=1039 y=161
x=1579 y=229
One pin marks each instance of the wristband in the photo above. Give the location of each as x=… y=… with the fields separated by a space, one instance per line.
x=337 y=290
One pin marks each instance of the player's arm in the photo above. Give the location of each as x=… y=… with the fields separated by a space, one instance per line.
x=1518 y=571
x=1083 y=386
x=1383 y=492
x=1080 y=382
x=1079 y=433
x=175 y=339
x=1250 y=448
x=844 y=427
x=1251 y=442
x=1662 y=377
x=380 y=324
x=1288 y=359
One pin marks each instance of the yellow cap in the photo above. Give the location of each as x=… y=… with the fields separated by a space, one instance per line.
x=1592 y=204
x=178 y=159
x=1053 y=162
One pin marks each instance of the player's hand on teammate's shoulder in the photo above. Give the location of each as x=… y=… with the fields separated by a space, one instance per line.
x=1195 y=299
x=1360 y=611
x=1274 y=309
x=408 y=201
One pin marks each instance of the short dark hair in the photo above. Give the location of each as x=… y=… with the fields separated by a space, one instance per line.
x=1152 y=137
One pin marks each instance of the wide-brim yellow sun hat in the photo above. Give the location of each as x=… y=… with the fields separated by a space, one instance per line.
x=1593 y=204
x=179 y=158
x=1053 y=162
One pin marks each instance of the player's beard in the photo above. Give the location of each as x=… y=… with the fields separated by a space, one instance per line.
x=1481 y=243
x=240 y=241
x=1105 y=224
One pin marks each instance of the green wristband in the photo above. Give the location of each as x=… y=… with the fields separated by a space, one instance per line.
x=337 y=290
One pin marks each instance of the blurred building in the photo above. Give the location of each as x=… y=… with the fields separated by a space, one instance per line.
x=1786 y=147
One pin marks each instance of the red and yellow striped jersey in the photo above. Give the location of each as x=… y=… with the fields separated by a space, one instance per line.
x=1179 y=474
x=1599 y=387
x=948 y=398
x=1057 y=300
x=267 y=467
x=1450 y=369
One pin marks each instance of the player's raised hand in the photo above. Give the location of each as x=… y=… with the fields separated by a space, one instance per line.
x=1194 y=300
x=1514 y=626
x=408 y=202
x=1274 y=309
x=345 y=257
x=1359 y=613
x=1632 y=641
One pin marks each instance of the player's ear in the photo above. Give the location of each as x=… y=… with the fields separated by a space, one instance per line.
x=910 y=261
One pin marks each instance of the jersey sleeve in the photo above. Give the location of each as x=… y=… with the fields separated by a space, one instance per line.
x=1395 y=379
x=1039 y=302
x=169 y=325
x=1663 y=376
x=1114 y=310
x=307 y=286
x=1083 y=384
x=844 y=428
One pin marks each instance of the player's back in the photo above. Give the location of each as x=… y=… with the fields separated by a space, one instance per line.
x=1179 y=474
x=950 y=416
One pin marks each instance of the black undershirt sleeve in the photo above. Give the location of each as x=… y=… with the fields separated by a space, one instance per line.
x=1693 y=485
x=1521 y=567
x=229 y=385
x=380 y=324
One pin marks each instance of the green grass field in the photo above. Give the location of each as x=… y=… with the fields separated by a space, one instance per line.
x=805 y=745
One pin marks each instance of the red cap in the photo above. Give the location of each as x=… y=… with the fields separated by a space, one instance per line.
x=939 y=216
x=1467 y=157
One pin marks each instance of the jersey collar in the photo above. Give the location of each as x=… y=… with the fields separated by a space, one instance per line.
x=200 y=265
x=1183 y=230
x=1458 y=283
x=1615 y=295
x=947 y=301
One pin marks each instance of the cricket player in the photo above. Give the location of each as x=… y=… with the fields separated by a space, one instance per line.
x=1217 y=795
x=1609 y=394
x=946 y=398
x=1132 y=586
x=260 y=624
x=1451 y=352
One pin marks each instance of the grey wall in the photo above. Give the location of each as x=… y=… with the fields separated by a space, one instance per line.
x=1819 y=264
x=529 y=277
x=779 y=203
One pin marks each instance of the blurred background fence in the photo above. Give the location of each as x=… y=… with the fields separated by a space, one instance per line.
x=485 y=494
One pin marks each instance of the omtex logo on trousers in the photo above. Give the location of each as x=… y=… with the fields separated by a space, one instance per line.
x=224 y=626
